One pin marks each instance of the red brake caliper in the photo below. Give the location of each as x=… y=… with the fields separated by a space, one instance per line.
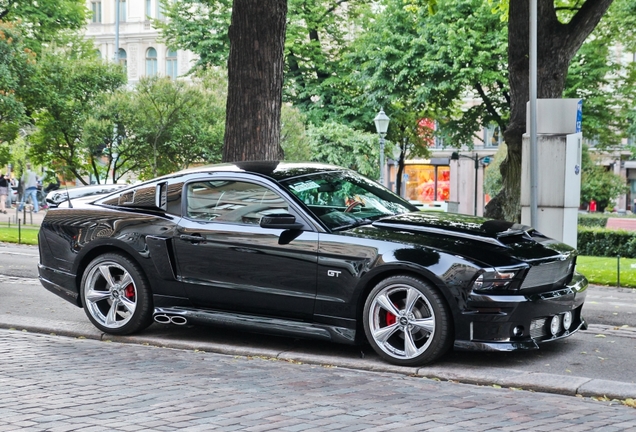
x=130 y=291
x=390 y=318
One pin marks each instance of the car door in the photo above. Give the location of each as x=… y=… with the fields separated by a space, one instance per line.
x=228 y=261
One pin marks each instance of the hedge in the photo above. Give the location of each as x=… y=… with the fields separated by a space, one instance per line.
x=602 y=242
x=594 y=219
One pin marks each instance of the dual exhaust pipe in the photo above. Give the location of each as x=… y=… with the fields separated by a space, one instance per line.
x=170 y=319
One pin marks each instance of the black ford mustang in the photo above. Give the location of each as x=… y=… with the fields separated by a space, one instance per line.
x=309 y=250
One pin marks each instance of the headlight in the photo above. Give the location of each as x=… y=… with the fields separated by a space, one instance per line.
x=498 y=279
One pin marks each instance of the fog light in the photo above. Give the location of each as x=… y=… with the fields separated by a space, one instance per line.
x=555 y=325
x=567 y=320
x=517 y=331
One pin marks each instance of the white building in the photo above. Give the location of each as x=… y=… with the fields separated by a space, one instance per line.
x=134 y=39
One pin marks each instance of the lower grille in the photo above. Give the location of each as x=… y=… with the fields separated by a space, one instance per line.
x=538 y=328
x=547 y=274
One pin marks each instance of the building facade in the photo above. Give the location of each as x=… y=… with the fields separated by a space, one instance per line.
x=122 y=31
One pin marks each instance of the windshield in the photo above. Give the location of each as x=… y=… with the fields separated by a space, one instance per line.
x=344 y=199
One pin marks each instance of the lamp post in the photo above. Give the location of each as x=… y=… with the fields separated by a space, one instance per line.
x=381 y=126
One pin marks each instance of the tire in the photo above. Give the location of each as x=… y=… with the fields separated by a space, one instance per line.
x=407 y=335
x=116 y=295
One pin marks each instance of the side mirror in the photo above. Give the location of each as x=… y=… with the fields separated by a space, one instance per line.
x=280 y=221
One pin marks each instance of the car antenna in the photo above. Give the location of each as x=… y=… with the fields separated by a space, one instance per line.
x=68 y=197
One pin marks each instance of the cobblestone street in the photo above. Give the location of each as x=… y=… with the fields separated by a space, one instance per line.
x=56 y=383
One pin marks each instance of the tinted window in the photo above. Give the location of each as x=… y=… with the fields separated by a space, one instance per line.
x=232 y=201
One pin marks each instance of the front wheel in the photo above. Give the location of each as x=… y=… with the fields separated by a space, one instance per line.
x=407 y=322
x=116 y=295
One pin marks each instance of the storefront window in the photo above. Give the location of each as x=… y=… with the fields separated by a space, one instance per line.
x=427 y=183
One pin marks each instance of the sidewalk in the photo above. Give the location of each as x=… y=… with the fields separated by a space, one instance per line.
x=25 y=217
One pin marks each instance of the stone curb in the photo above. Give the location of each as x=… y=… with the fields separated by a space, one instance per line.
x=509 y=378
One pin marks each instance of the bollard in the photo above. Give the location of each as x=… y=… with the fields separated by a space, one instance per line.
x=19 y=232
x=618 y=271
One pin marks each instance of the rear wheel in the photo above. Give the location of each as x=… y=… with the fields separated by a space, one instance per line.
x=116 y=295
x=407 y=322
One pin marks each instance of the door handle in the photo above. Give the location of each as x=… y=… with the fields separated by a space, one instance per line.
x=192 y=238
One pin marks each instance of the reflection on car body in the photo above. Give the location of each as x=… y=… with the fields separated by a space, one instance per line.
x=309 y=250
x=59 y=196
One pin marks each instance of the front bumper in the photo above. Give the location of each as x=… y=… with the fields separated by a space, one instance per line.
x=520 y=322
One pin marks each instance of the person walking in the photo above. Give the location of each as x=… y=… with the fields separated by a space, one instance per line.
x=4 y=191
x=30 y=182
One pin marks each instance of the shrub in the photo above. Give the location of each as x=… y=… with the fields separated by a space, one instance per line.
x=593 y=220
x=594 y=241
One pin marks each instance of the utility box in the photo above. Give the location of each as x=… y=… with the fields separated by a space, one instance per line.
x=559 y=148
x=557 y=116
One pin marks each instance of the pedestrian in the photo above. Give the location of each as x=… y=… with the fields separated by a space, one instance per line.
x=30 y=184
x=4 y=191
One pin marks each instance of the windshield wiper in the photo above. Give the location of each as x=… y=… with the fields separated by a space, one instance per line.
x=355 y=224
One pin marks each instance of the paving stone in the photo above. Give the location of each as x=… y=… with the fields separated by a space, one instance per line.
x=64 y=384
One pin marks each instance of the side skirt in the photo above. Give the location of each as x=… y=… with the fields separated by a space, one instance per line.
x=252 y=323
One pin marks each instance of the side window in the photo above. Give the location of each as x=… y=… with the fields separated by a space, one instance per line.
x=232 y=201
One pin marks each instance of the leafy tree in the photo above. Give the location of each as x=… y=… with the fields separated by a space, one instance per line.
x=16 y=66
x=315 y=37
x=562 y=27
x=293 y=138
x=338 y=144
x=431 y=63
x=174 y=124
x=67 y=86
x=46 y=20
x=598 y=184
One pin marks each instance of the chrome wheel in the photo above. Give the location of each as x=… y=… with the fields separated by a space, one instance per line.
x=110 y=294
x=116 y=294
x=406 y=321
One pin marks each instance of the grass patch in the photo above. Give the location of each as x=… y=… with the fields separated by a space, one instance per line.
x=26 y=235
x=604 y=270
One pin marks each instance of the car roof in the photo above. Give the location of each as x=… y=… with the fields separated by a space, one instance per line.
x=277 y=170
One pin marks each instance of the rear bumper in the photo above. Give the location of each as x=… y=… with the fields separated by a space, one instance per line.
x=521 y=322
x=60 y=283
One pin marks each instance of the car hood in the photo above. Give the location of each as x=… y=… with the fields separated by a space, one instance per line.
x=454 y=232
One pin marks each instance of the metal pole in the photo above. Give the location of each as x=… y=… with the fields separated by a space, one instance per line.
x=476 y=179
x=382 y=160
x=534 y=152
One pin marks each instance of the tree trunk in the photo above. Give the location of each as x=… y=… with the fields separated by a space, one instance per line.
x=255 y=80
x=557 y=44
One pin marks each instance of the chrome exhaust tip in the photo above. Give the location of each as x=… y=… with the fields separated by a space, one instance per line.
x=178 y=320
x=162 y=319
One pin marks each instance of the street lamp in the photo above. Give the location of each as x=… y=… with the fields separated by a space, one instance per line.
x=381 y=126
x=486 y=161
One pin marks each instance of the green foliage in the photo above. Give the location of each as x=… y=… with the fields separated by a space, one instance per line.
x=318 y=32
x=429 y=63
x=293 y=138
x=493 y=182
x=605 y=83
x=338 y=144
x=598 y=184
x=67 y=86
x=595 y=241
x=590 y=220
x=200 y=26
x=175 y=124
x=16 y=66
x=46 y=20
